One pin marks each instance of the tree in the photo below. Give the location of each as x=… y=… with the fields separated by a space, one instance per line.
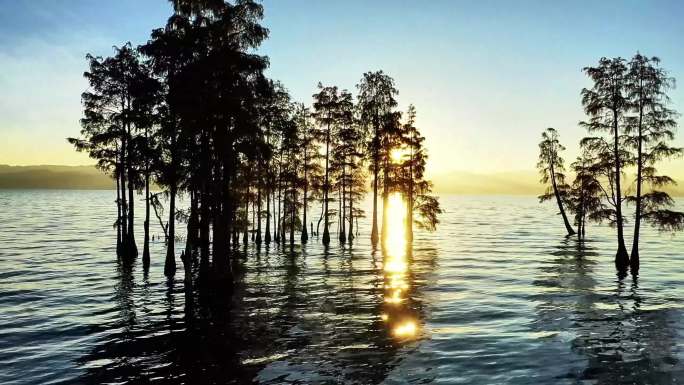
x=650 y=127
x=585 y=193
x=375 y=100
x=112 y=110
x=170 y=53
x=551 y=168
x=410 y=158
x=310 y=162
x=326 y=109
x=606 y=105
x=345 y=154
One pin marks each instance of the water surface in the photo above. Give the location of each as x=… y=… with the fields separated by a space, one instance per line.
x=496 y=295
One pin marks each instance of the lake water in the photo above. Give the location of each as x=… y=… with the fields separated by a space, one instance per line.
x=496 y=296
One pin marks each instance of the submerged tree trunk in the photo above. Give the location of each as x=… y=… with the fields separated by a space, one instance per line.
x=170 y=262
x=146 y=225
x=385 y=203
x=119 y=248
x=376 y=160
x=621 y=256
x=305 y=235
x=278 y=224
x=267 y=235
x=326 y=190
x=132 y=247
x=124 y=204
x=245 y=234
x=293 y=210
x=580 y=215
x=343 y=208
x=205 y=204
x=634 y=257
x=320 y=218
x=204 y=225
x=569 y=228
x=409 y=198
x=350 y=237
x=258 y=216
x=191 y=238
x=275 y=217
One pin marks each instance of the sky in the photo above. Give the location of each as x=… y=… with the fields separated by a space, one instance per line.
x=486 y=77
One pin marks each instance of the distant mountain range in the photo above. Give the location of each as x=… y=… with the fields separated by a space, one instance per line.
x=506 y=183
x=54 y=177
x=455 y=182
x=470 y=183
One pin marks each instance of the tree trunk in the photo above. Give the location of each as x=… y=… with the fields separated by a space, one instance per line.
x=278 y=224
x=132 y=247
x=376 y=160
x=326 y=188
x=293 y=208
x=580 y=214
x=267 y=235
x=343 y=208
x=409 y=200
x=245 y=235
x=191 y=238
x=350 y=237
x=385 y=202
x=275 y=218
x=124 y=204
x=634 y=257
x=305 y=235
x=170 y=262
x=621 y=256
x=119 y=248
x=258 y=216
x=146 y=225
x=569 y=228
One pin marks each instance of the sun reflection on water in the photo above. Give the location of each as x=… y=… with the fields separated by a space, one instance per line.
x=398 y=315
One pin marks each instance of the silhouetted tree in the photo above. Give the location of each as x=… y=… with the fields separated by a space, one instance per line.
x=650 y=128
x=310 y=162
x=326 y=110
x=345 y=154
x=551 y=168
x=114 y=107
x=585 y=193
x=409 y=159
x=376 y=99
x=606 y=105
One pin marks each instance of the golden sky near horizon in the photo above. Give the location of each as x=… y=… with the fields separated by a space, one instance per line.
x=486 y=79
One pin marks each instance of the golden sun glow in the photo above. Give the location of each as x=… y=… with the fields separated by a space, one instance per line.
x=406 y=329
x=398 y=154
x=401 y=322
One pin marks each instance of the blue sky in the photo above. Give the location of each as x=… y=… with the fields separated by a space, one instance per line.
x=486 y=76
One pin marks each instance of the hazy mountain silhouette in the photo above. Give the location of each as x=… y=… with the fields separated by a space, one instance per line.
x=505 y=183
x=54 y=177
x=454 y=182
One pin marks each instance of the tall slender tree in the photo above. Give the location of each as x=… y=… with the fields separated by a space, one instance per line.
x=650 y=127
x=606 y=105
x=552 y=170
x=326 y=110
x=113 y=109
x=376 y=99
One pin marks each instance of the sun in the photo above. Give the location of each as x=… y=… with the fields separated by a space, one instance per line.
x=398 y=154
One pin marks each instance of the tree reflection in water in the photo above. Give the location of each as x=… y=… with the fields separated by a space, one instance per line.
x=616 y=337
x=296 y=315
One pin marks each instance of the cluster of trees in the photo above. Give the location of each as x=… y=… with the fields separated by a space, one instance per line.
x=193 y=112
x=631 y=126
